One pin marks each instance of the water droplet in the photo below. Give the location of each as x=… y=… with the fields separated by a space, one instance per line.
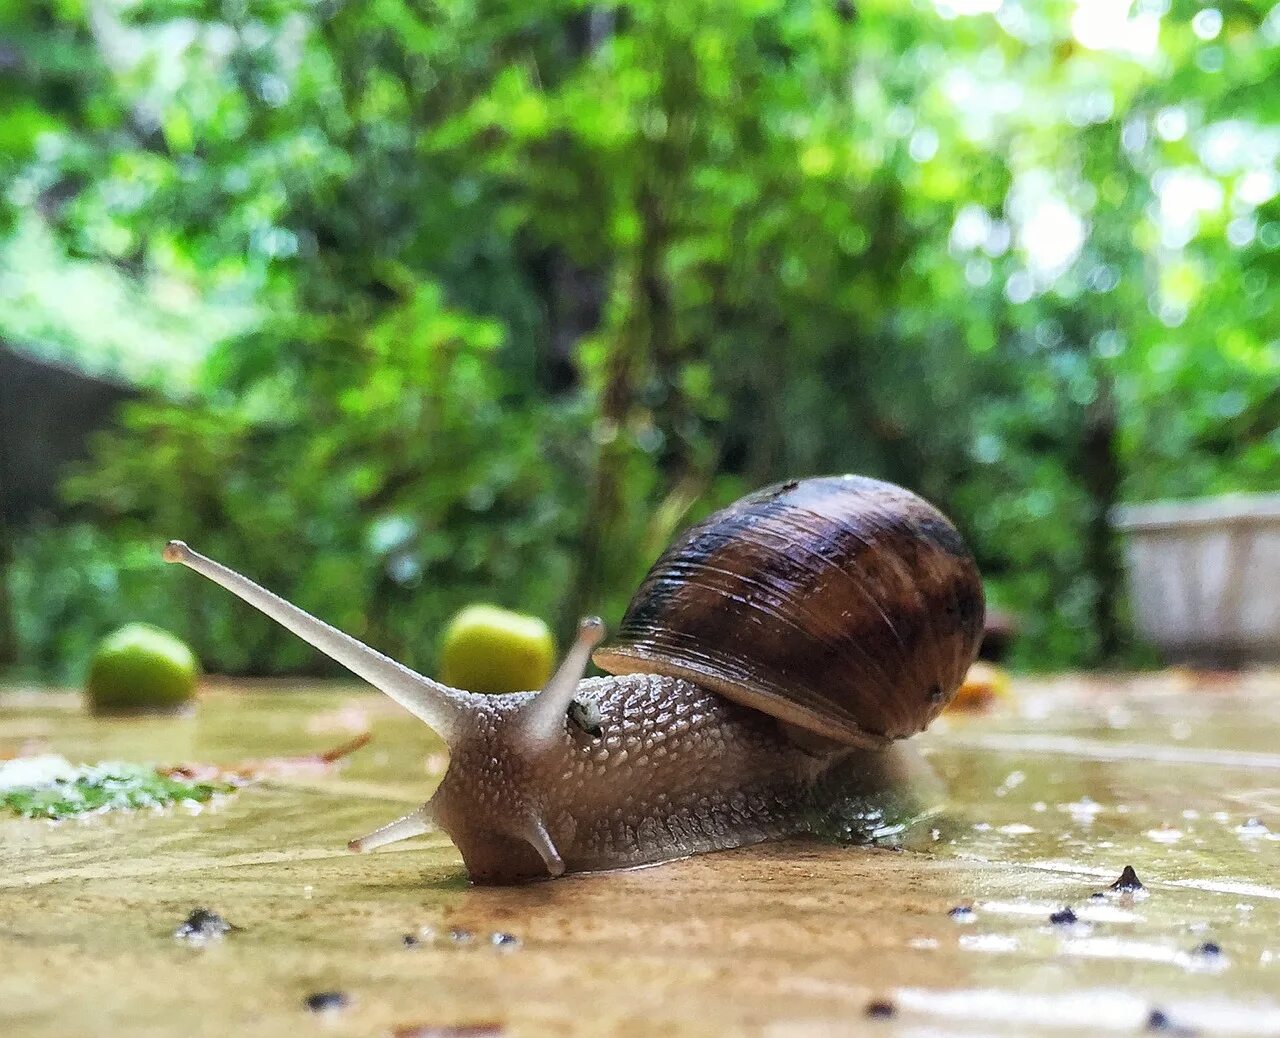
x=989 y=942
x=1083 y=811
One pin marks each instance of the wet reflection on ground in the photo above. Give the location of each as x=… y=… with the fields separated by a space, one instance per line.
x=990 y=916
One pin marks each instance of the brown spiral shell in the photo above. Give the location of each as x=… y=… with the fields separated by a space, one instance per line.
x=844 y=605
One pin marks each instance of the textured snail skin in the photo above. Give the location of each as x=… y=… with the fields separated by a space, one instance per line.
x=761 y=673
x=677 y=770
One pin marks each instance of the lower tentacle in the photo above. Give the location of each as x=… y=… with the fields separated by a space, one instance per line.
x=414 y=824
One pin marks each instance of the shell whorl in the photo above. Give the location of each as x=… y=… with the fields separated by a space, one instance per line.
x=844 y=605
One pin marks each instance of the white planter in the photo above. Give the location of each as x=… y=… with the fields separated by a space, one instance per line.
x=1204 y=576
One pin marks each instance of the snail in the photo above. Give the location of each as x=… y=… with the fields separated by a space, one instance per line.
x=762 y=670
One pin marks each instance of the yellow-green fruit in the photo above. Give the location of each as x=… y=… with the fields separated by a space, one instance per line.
x=487 y=649
x=141 y=667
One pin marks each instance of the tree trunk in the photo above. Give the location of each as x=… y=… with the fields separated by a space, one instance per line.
x=1100 y=473
x=8 y=637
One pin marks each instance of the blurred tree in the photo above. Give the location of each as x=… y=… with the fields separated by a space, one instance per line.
x=536 y=284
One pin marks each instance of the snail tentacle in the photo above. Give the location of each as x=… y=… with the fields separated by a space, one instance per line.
x=441 y=707
x=540 y=840
x=414 y=824
x=543 y=718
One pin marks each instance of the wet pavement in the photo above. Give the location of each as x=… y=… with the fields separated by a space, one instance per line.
x=959 y=931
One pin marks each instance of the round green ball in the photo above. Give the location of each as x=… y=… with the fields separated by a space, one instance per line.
x=140 y=668
x=488 y=649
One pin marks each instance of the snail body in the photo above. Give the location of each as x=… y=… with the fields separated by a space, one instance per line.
x=762 y=673
x=677 y=770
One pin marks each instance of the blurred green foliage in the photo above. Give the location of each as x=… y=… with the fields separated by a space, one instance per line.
x=535 y=284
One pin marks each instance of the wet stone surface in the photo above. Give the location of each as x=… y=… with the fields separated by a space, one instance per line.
x=1176 y=775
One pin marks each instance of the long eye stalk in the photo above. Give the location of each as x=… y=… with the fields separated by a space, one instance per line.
x=438 y=705
x=540 y=721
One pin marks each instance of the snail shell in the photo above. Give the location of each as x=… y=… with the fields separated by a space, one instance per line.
x=843 y=605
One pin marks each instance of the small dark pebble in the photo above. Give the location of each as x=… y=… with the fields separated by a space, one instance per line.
x=1098 y=896
x=326 y=1001
x=504 y=940
x=1158 y=1020
x=1065 y=917
x=1128 y=883
x=880 y=1010
x=202 y=925
x=458 y=936
x=962 y=914
x=1208 y=948
x=411 y=940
